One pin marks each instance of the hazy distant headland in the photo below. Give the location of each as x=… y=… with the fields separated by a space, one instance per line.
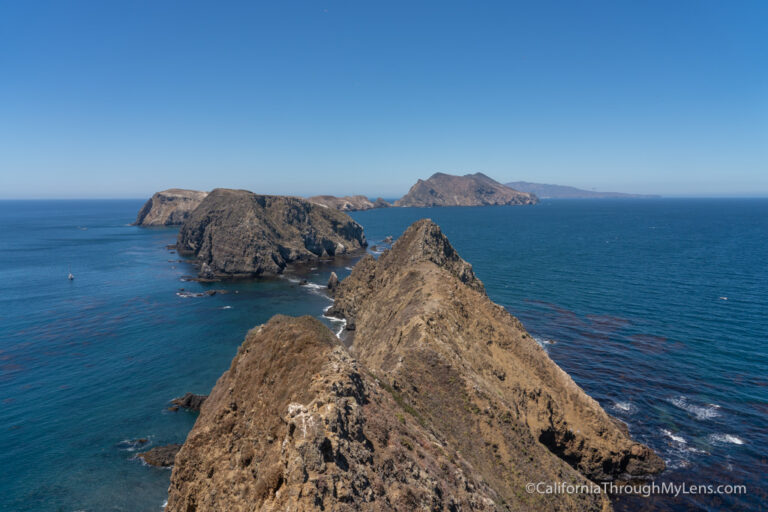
x=545 y=191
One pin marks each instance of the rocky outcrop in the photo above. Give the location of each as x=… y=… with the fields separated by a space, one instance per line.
x=169 y=208
x=349 y=203
x=161 y=456
x=236 y=233
x=190 y=401
x=333 y=282
x=424 y=324
x=443 y=402
x=468 y=190
x=297 y=424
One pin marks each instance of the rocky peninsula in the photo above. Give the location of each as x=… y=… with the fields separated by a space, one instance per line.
x=442 y=402
x=468 y=190
x=349 y=203
x=236 y=233
x=169 y=208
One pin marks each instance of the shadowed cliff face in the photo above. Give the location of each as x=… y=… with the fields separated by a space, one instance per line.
x=239 y=233
x=468 y=190
x=450 y=405
x=169 y=208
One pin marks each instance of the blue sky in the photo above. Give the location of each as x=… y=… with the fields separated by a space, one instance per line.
x=120 y=99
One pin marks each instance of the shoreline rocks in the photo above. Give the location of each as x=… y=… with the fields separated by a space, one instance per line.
x=190 y=401
x=161 y=456
x=169 y=208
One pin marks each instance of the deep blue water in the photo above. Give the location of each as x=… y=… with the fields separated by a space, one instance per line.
x=627 y=296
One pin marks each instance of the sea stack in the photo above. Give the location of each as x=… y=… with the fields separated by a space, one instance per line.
x=236 y=233
x=169 y=208
x=442 y=402
x=468 y=190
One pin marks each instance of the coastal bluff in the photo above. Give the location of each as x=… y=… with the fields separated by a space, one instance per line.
x=169 y=208
x=349 y=203
x=469 y=190
x=236 y=233
x=441 y=402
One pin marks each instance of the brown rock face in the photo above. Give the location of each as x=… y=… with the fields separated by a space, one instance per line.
x=238 y=233
x=348 y=203
x=468 y=190
x=169 y=207
x=450 y=405
x=296 y=424
x=424 y=324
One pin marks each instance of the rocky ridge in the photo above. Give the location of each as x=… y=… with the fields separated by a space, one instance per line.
x=468 y=190
x=169 y=208
x=349 y=203
x=443 y=402
x=236 y=233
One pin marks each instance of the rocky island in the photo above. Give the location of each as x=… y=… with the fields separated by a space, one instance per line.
x=236 y=233
x=468 y=190
x=349 y=203
x=169 y=208
x=441 y=402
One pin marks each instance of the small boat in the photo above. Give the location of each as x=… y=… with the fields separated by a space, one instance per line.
x=70 y=276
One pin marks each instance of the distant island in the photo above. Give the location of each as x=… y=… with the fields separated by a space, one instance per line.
x=469 y=190
x=545 y=191
x=349 y=203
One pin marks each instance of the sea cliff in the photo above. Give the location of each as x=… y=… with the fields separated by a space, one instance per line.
x=235 y=233
x=169 y=208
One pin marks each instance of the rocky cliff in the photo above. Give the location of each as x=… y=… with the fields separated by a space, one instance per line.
x=349 y=203
x=169 y=208
x=443 y=402
x=468 y=190
x=239 y=233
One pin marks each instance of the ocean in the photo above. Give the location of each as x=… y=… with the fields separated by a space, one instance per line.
x=657 y=308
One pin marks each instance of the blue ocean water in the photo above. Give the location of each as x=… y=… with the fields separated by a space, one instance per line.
x=657 y=308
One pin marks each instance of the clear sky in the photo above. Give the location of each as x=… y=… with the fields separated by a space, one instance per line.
x=120 y=99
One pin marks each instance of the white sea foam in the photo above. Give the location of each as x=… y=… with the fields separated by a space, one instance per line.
x=701 y=412
x=623 y=406
x=674 y=437
x=543 y=342
x=725 y=438
x=165 y=504
x=342 y=322
x=187 y=295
